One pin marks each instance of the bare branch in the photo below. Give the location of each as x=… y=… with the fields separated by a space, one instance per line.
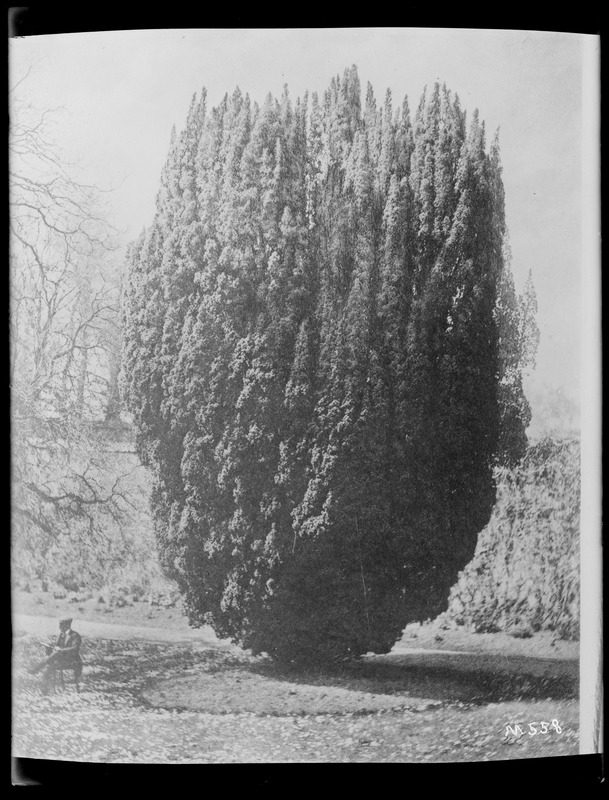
x=65 y=311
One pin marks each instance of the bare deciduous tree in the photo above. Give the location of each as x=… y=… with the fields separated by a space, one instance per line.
x=65 y=348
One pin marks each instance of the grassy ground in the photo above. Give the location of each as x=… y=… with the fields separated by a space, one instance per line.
x=188 y=699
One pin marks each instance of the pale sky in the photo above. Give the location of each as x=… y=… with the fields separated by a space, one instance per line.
x=122 y=91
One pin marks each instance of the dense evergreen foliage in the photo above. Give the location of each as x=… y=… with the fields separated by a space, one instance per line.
x=524 y=576
x=323 y=352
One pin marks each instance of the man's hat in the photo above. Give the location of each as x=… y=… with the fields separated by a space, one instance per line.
x=66 y=619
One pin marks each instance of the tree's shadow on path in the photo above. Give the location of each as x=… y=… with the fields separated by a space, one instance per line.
x=442 y=676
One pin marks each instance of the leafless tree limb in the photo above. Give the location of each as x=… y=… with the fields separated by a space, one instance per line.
x=64 y=325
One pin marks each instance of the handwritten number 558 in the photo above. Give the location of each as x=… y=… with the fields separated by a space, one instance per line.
x=534 y=728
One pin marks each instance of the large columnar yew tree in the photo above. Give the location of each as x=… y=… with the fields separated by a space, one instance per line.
x=322 y=359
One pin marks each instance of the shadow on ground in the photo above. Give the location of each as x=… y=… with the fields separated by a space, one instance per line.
x=442 y=677
x=367 y=685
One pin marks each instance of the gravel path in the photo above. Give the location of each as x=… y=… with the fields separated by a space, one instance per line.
x=48 y=626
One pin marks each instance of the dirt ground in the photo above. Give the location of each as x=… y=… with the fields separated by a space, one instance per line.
x=156 y=691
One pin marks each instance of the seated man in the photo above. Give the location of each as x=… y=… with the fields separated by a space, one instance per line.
x=65 y=654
